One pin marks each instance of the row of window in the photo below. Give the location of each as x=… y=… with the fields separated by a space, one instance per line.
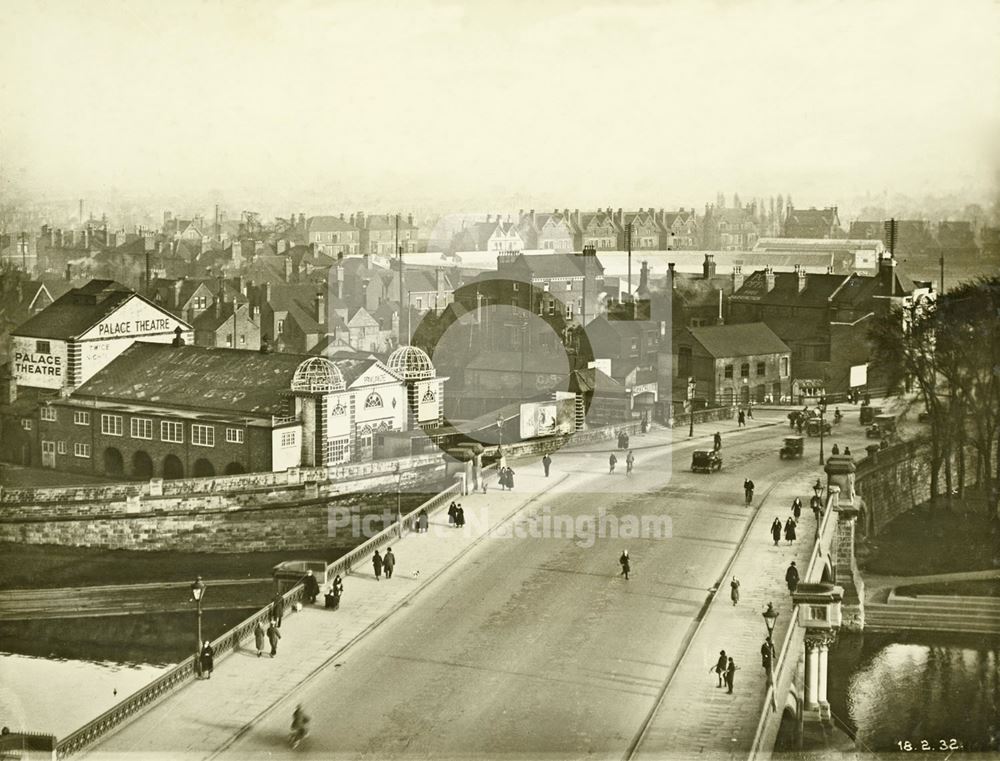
x=761 y=369
x=142 y=428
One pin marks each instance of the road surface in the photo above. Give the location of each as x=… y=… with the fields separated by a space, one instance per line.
x=537 y=646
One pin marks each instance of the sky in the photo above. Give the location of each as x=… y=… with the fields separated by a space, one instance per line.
x=499 y=104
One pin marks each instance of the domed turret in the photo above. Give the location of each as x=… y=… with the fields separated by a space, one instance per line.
x=410 y=364
x=318 y=375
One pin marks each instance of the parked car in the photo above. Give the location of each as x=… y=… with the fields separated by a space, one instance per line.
x=868 y=414
x=884 y=427
x=791 y=447
x=813 y=425
x=705 y=461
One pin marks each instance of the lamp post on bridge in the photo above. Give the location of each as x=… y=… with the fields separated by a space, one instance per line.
x=770 y=617
x=399 y=513
x=499 y=433
x=817 y=504
x=690 y=392
x=197 y=593
x=822 y=412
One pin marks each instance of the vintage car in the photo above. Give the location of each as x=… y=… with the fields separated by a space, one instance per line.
x=868 y=414
x=705 y=461
x=813 y=425
x=884 y=427
x=791 y=447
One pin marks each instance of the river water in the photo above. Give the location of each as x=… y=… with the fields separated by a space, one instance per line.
x=918 y=692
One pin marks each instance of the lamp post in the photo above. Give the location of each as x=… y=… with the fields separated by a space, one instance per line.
x=822 y=412
x=770 y=617
x=818 y=502
x=499 y=432
x=691 y=390
x=399 y=513
x=198 y=592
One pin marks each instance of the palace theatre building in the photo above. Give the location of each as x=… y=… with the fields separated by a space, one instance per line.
x=175 y=411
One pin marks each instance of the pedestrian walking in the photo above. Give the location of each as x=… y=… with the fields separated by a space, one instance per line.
x=799 y=424
x=460 y=517
x=790 y=530
x=750 y=411
x=546 y=463
x=796 y=509
x=510 y=479
x=377 y=565
x=483 y=483
x=629 y=463
x=625 y=440
x=207 y=660
x=334 y=592
x=258 y=638
x=273 y=635
x=741 y=419
x=452 y=509
x=748 y=487
x=720 y=666
x=310 y=587
x=717 y=441
x=792 y=577
x=277 y=609
x=734 y=590
x=776 y=531
x=731 y=669
x=422 y=522
x=625 y=564
x=388 y=563
x=612 y=461
x=835 y=450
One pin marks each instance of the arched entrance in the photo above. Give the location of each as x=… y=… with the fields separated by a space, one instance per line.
x=235 y=468
x=173 y=467
x=203 y=468
x=787 y=740
x=142 y=465
x=114 y=464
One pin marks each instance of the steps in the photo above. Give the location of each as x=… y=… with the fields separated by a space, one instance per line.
x=972 y=615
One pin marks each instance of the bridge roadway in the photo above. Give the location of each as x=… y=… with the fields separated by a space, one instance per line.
x=528 y=647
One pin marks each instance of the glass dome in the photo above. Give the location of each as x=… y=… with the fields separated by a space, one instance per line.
x=410 y=363
x=317 y=375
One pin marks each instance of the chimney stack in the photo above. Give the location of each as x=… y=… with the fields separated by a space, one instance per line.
x=670 y=275
x=340 y=281
x=737 y=277
x=708 y=266
x=267 y=293
x=769 y=278
x=321 y=308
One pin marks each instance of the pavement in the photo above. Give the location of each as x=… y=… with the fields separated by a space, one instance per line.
x=209 y=717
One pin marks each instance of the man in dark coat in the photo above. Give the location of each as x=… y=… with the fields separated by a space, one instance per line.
x=612 y=461
x=730 y=675
x=748 y=487
x=741 y=419
x=776 y=531
x=546 y=464
x=273 y=635
x=766 y=654
x=310 y=587
x=460 y=517
x=452 y=509
x=388 y=563
x=792 y=577
x=720 y=666
x=797 y=508
x=625 y=564
x=377 y=565
x=510 y=478
x=277 y=609
x=717 y=441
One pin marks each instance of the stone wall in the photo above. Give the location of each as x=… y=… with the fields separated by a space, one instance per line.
x=290 y=517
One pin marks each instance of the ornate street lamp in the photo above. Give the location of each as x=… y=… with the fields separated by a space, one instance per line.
x=197 y=593
x=822 y=411
x=770 y=617
x=691 y=390
x=499 y=432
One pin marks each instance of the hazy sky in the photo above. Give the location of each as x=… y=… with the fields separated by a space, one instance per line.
x=502 y=103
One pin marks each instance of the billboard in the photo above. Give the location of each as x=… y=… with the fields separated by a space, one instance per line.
x=859 y=375
x=548 y=418
x=39 y=363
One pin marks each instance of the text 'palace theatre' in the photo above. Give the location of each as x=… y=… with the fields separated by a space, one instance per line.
x=154 y=406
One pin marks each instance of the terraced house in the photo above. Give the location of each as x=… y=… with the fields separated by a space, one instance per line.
x=333 y=235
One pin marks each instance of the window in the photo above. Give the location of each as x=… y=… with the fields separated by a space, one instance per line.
x=281 y=326
x=81 y=450
x=61 y=447
x=784 y=367
x=81 y=418
x=373 y=401
x=111 y=425
x=552 y=307
x=48 y=413
x=243 y=340
x=26 y=424
x=234 y=435
x=289 y=439
x=745 y=370
x=43 y=347
x=569 y=311
x=172 y=432
x=202 y=435
x=420 y=303
x=728 y=372
x=761 y=368
x=569 y=286
x=142 y=428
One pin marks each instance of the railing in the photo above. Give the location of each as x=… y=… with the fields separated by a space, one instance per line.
x=230 y=641
x=785 y=652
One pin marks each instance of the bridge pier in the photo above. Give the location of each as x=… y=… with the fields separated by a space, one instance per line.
x=840 y=475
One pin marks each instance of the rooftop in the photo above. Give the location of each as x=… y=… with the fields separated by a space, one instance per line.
x=739 y=340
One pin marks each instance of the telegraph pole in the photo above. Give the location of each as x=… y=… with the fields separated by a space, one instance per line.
x=628 y=244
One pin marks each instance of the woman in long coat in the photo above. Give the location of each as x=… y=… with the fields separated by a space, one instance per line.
x=510 y=478
x=377 y=565
x=460 y=517
x=452 y=509
x=207 y=659
x=258 y=638
x=797 y=508
x=734 y=587
x=790 y=530
x=776 y=531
